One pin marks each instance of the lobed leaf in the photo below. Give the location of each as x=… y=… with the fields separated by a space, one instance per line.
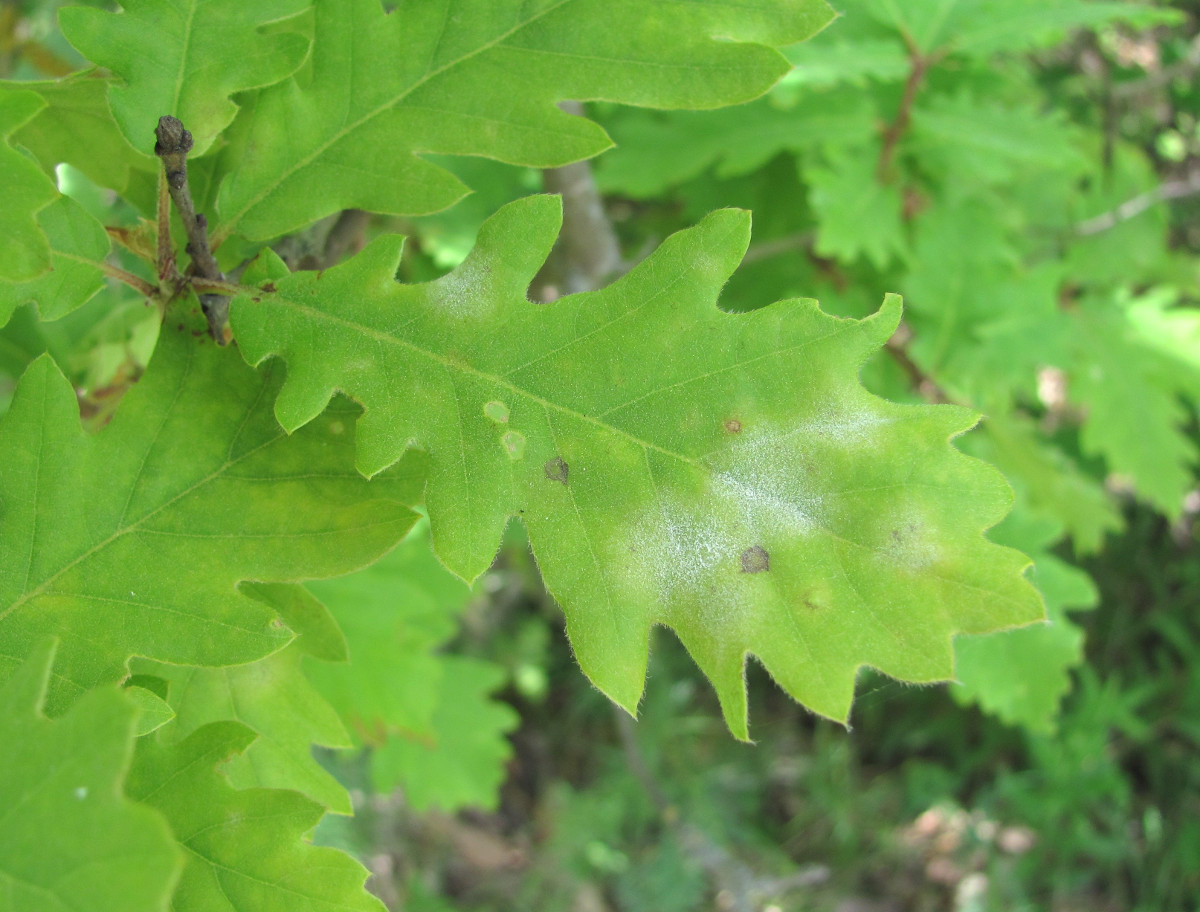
x=274 y=698
x=71 y=838
x=132 y=541
x=27 y=191
x=480 y=79
x=246 y=850
x=78 y=246
x=724 y=475
x=394 y=614
x=463 y=763
x=185 y=58
x=1022 y=675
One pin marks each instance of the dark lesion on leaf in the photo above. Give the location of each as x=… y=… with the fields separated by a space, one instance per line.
x=557 y=470
x=733 y=425
x=755 y=560
x=268 y=287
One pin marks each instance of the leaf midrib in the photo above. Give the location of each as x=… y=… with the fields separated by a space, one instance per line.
x=124 y=530
x=286 y=174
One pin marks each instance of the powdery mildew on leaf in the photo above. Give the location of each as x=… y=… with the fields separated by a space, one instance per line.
x=724 y=475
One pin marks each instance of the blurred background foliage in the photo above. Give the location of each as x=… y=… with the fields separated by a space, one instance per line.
x=1027 y=174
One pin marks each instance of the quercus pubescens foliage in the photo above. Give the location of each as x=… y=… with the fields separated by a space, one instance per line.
x=725 y=475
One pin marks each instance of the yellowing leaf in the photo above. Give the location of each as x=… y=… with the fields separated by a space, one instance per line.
x=723 y=475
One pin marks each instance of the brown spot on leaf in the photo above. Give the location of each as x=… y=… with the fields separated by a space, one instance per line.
x=733 y=425
x=268 y=286
x=557 y=470
x=755 y=560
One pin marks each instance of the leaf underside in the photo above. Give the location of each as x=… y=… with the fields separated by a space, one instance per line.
x=723 y=475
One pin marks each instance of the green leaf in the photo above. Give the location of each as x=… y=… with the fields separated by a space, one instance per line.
x=479 y=80
x=983 y=27
x=153 y=711
x=1022 y=675
x=723 y=475
x=427 y=717
x=966 y=140
x=185 y=58
x=272 y=697
x=79 y=245
x=1047 y=480
x=245 y=848
x=1136 y=419
x=463 y=763
x=150 y=524
x=27 y=191
x=71 y=839
x=656 y=151
x=856 y=214
x=76 y=126
x=394 y=614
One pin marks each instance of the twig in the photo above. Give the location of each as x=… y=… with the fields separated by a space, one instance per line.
x=174 y=143
x=919 y=65
x=1169 y=190
x=587 y=252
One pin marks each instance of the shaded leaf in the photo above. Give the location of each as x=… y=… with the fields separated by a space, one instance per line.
x=394 y=614
x=151 y=523
x=273 y=698
x=1022 y=675
x=246 y=850
x=463 y=763
x=656 y=151
x=79 y=244
x=77 y=127
x=480 y=80
x=27 y=191
x=723 y=475
x=856 y=214
x=207 y=50
x=71 y=838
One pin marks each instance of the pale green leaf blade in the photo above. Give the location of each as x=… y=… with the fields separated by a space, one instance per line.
x=153 y=521
x=78 y=245
x=26 y=192
x=185 y=58
x=656 y=151
x=62 y=778
x=246 y=849
x=984 y=27
x=480 y=79
x=153 y=711
x=462 y=763
x=724 y=475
